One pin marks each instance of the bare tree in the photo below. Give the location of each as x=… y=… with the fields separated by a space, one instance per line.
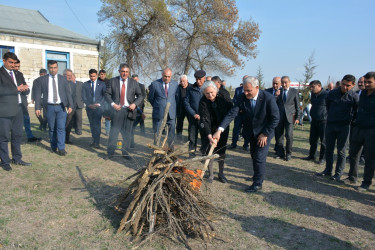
x=309 y=73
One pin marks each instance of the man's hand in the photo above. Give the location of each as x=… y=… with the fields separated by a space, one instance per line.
x=132 y=106
x=92 y=106
x=22 y=87
x=262 y=140
x=217 y=135
x=197 y=117
x=277 y=93
x=37 y=113
x=143 y=116
x=69 y=110
x=116 y=107
x=296 y=122
x=213 y=141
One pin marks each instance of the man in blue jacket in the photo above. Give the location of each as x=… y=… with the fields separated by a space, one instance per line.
x=93 y=93
x=161 y=92
x=191 y=103
x=260 y=117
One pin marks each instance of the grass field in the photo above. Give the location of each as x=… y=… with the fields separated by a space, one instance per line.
x=65 y=202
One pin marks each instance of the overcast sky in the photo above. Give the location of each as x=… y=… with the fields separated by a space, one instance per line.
x=340 y=32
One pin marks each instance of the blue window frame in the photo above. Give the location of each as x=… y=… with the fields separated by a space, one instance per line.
x=3 y=50
x=62 y=59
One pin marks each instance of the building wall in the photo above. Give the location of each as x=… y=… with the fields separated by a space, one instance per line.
x=32 y=54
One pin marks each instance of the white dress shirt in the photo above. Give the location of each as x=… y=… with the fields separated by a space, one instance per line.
x=126 y=104
x=50 y=90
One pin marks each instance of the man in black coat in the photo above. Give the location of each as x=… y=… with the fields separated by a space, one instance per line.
x=289 y=108
x=181 y=111
x=11 y=114
x=123 y=95
x=58 y=101
x=341 y=107
x=275 y=91
x=42 y=118
x=318 y=114
x=260 y=117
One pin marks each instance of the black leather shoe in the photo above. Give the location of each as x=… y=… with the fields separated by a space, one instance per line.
x=34 y=139
x=309 y=158
x=363 y=188
x=246 y=148
x=232 y=146
x=62 y=152
x=336 y=177
x=78 y=132
x=6 y=167
x=350 y=180
x=253 y=188
x=322 y=162
x=288 y=157
x=92 y=144
x=97 y=145
x=324 y=173
x=21 y=162
x=222 y=178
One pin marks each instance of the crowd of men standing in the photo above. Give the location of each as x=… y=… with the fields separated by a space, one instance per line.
x=337 y=116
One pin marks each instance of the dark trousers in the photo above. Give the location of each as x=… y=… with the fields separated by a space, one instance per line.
x=171 y=123
x=362 y=138
x=340 y=133
x=69 y=124
x=56 y=117
x=317 y=131
x=192 y=133
x=11 y=130
x=120 y=123
x=259 y=156
x=43 y=119
x=137 y=121
x=77 y=121
x=180 y=121
x=284 y=125
x=95 y=120
x=236 y=130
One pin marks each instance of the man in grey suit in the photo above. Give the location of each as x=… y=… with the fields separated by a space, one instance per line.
x=57 y=98
x=74 y=119
x=124 y=95
x=161 y=92
x=289 y=108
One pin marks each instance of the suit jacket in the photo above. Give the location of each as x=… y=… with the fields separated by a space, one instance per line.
x=237 y=92
x=78 y=94
x=191 y=102
x=8 y=95
x=180 y=99
x=143 y=90
x=264 y=119
x=21 y=81
x=133 y=92
x=291 y=107
x=158 y=100
x=88 y=95
x=41 y=88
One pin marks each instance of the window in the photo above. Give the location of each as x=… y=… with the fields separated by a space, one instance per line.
x=3 y=50
x=62 y=59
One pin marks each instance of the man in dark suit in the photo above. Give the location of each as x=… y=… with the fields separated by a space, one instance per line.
x=124 y=96
x=42 y=118
x=74 y=119
x=26 y=117
x=140 y=116
x=161 y=92
x=93 y=94
x=57 y=98
x=11 y=114
x=221 y=90
x=275 y=91
x=181 y=111
x=191 y=104
x=107 y=109
x=289 y=108
x=260 y=117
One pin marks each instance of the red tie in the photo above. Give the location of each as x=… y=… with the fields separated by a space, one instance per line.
x=166 y=90
x=122 y=97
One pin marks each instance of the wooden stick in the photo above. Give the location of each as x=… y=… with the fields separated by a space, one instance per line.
x=208 y=160
x=166 y=110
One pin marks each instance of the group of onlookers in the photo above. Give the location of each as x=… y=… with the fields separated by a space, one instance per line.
x=260 y=114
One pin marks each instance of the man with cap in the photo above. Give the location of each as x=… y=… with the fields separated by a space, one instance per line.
x=191 y=102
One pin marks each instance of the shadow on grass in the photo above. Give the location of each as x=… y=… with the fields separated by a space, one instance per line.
x=286 y=235
x=102 y=195
x=311 y=207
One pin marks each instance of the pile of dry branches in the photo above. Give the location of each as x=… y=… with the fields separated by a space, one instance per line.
x=165 y=198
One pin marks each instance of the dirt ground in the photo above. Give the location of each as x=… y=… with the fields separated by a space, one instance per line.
x=65 y=202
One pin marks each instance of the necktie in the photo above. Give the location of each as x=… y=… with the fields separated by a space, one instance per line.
x=166 y=90
x=11 y=75
x=93 y=90
x=252 y=105
x=122 y=96
x=54 y=86
x=284 y=96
